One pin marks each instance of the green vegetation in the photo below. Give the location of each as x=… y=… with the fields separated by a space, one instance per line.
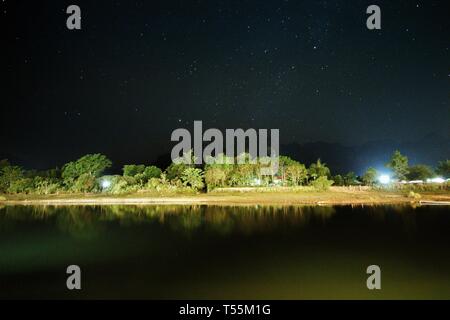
x=443 y=168
x=370 y=176
x=86 y=175
x=419 y=172
x=399 y=165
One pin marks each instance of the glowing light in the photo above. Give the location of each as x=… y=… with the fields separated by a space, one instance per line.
x=384 y=179
x=106 y=184
x=437 y=180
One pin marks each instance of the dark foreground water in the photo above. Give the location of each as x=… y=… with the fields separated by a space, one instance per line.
x=225 y=252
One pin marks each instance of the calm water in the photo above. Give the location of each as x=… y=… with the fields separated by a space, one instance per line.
x=225 y=252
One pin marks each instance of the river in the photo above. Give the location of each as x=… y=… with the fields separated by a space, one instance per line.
x=225 y=252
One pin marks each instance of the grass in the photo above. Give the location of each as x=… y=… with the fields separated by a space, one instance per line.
x=255 y=196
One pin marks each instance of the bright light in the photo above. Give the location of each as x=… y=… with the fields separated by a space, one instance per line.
x=384 y=179
x=437 y=180
x=106 y=184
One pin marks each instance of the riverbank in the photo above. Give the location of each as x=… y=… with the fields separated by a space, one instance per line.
x=334 y=196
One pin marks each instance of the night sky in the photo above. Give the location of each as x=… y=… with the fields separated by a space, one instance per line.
x=140 y=69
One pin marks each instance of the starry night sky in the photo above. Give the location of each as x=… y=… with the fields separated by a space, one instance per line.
x=140 y=69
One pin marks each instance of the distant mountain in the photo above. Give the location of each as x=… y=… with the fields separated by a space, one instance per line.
x=341 y=159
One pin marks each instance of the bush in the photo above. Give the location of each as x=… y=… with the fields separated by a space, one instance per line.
x=121 y=185
x=321 y=183
x=45 y=186
x=193 y=178
x=85 y=183
x=131 y=170
x=24 y=185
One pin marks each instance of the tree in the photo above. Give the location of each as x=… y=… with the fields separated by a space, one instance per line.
x=370 y=176
x=175 y=170
x=152 y=172
x=22 y=185
x=318 y=169
x=9 y=175
x=296 y=173
x=321 y=183
x=399 y=165
x=193 y=177
x=350 y=179
x=292 y=172
x=443 y=168
x=85 y=183
x=131 y=170
x=338 y=180
x=419 y=172
x=92 y=165
x=215 y=176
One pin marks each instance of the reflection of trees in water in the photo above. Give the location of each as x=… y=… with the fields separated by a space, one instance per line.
x=219 y=219
x=80 y=222
x=87 y=221
x=404 y=215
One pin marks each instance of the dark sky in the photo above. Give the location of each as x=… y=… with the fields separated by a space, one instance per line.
x=140 y=69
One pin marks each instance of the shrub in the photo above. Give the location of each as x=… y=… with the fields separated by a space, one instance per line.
x=321 y=183
x=45 y=186
x=24 y=185
x=85 y=183
x=193 y=177
x=121 y=185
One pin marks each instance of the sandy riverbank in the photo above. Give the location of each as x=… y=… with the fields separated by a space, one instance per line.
x=331 y=197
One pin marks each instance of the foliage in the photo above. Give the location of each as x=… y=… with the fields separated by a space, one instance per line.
x=399 y=165
x=419 y=172
x=91 y=165
x=338 y=180
x=121 y=184
x=83 y=175
x=43 y=185
x=9 y=175
x=193 y=177
x=22 y=185
x=141 y=173
x=152 y=172
x=85 y=183
x=293 y=172
x=80 y=175
x=321 y=183
x=443 y=168
x=370 y=176
x=215 y=177
x=318 y=169
x=131 y=170
x=175 y=170
x=165 y=186
x=350 y=179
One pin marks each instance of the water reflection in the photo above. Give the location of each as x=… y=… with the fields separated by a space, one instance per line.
x=86 y=221
x=198 y=251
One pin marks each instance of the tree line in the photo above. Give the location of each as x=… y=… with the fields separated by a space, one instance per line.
x=85 y=175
